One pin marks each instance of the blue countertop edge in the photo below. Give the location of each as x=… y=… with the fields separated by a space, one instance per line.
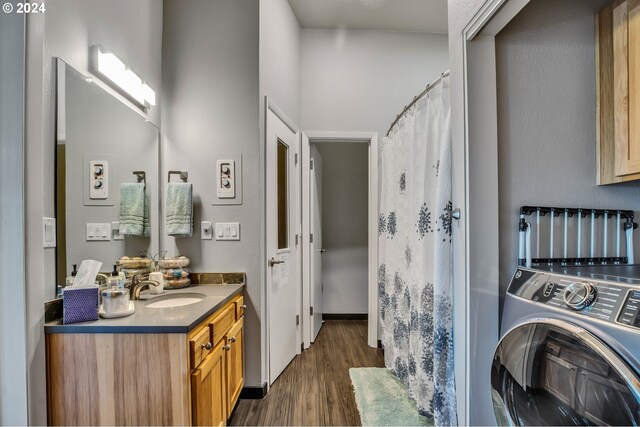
x=95 y=327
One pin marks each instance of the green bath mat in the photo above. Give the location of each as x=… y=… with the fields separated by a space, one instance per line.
x=383 y=400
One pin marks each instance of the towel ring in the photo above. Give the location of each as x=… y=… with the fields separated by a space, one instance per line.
x=141 y=175
x=183 y=175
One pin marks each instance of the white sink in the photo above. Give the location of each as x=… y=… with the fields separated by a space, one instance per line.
x=177 y=300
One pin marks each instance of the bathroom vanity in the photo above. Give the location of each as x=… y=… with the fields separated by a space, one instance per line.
x=167 y=364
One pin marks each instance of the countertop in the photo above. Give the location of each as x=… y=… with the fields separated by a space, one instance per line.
x=156 y=320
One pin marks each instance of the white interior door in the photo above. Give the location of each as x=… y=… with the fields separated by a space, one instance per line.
x=316 y=249
x=282 y=280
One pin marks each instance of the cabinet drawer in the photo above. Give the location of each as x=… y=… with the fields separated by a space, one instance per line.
x=222 y=322
x=239 y=302
x=198 y=347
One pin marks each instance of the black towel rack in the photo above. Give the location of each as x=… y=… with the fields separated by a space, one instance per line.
x=184 y=175
x=623 y=222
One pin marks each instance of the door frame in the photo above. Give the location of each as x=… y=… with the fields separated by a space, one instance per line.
x=371 y=139
x=476 y=249
x=269 y=105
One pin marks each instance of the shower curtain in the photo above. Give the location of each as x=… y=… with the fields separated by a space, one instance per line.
x=414 y=259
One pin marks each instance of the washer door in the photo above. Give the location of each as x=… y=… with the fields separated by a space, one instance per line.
x=549 y=372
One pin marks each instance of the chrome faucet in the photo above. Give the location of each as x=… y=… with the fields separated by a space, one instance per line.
x=137 y=278
x=137 y=288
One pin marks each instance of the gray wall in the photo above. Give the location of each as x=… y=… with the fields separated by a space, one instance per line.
x=210 y=89
x=344 y=227
x=13 y=367
x=132 y=30
x=280 y=57
x=360 y=80
x=354 y=80
x=546 y=118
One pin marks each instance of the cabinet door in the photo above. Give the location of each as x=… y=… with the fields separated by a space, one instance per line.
x=208 y=390
x=626 y=71
x=234 y=361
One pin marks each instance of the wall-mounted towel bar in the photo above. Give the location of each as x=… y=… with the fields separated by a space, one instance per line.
x=141 y=175
x=571 y=220
x=184 y=175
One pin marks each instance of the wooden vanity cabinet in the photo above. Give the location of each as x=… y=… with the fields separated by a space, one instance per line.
x=618 y=92
x=208 y=390
x=234 y=361
x=216 y=355
x=148 y=379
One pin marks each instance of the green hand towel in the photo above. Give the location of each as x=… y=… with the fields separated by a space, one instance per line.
x=179 y=209
x=132 y=209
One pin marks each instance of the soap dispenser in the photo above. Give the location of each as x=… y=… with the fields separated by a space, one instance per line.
x=69 y=280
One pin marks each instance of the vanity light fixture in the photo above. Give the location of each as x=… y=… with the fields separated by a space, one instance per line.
x=115 y=73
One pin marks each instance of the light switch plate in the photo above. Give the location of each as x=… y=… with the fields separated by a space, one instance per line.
x=98 y=231
x=206 y=232
x=49 y=232
x=227 y=231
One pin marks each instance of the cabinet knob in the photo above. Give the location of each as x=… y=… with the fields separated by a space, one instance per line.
x=232 y=339
x=226 y=347
x=207 y=346
x=243 y=306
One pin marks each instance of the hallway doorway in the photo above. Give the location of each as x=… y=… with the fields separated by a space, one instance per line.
x=339 y=229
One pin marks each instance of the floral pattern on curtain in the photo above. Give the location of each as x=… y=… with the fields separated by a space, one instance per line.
x=414 y=259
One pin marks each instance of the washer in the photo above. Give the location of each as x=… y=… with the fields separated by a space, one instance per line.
x=569 y=352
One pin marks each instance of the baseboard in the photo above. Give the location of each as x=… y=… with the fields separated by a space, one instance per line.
x=254 y=392
x=345 y=316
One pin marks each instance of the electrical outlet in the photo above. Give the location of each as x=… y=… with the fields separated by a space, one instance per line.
x=206 y=233
x=115 y=231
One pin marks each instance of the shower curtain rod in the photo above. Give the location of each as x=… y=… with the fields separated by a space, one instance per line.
x=416 y=98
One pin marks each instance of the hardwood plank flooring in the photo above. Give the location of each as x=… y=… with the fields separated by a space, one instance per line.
x=315 y=389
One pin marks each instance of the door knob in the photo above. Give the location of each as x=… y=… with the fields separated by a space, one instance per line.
x=455 y=214
x=323 y=250
x=273 y=262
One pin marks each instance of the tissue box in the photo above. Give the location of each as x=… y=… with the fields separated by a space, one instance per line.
x=80 y=305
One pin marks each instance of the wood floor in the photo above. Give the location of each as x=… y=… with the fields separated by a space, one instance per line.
x=315 y=389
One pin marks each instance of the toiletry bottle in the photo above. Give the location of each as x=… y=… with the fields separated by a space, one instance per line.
x=121 y=275
x=114 y=281
x=68 y=281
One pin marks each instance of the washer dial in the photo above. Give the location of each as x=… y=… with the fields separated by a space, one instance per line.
x=579 y=295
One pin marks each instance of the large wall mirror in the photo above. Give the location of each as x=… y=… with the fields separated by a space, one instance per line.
x=102 y=147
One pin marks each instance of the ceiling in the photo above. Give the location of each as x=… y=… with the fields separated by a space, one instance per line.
x=426 y=16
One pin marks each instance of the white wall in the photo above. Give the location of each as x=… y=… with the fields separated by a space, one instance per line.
x=360 y=80
x=13 y=366
x=67 y=29
x=546 y=119
x=210 y=89
x=344 y=227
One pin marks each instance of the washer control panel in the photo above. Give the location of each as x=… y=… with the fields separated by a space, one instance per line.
x=603 y=300
x=630 y=313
